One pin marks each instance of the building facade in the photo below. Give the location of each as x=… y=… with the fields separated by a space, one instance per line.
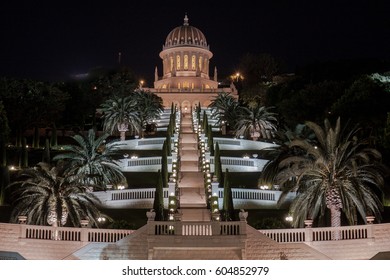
x=185 y=79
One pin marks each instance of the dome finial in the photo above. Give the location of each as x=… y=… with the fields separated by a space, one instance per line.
x=185 y=20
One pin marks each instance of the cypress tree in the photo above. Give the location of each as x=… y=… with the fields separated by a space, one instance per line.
x=227 y=207
x=164 y=165
x=18 y=137
x=23 y=161
x=217 y=163
x=205 y=121
x=158 y=203
x=3 y=154
x=169 y=145
x=46 y=152
x=35 y=143
x=53 y=139
x=173 y=117
x=4 y=172
x=210 y=142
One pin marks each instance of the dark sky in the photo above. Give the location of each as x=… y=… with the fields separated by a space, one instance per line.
x=56 y=39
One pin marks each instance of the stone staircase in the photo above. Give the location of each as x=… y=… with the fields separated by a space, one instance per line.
x=191 y=184
x=132 y=247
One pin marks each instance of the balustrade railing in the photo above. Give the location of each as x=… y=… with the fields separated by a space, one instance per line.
x=319 y=234
x=73 y=234
x=197 y=228
x=136 y=194
x=233 y=142
x=151 y=141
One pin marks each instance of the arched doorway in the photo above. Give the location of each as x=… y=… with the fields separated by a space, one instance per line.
x=186 y=106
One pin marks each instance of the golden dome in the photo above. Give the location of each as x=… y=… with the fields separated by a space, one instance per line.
x=186 y=35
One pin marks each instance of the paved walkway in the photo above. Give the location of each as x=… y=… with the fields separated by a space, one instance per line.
x=191 y=185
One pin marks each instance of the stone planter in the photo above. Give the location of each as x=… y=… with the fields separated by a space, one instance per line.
x=308 y=223
x=370 y=219
x=84 y=223
x=22 y=219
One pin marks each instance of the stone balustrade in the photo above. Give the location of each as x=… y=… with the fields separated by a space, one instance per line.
x=236 y=164
x=214 y=228
x=252 y=198
x=69 y=233
x=320 y=234
x=132 y=198
x=144 y=164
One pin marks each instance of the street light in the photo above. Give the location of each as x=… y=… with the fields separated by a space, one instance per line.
x=237 y=77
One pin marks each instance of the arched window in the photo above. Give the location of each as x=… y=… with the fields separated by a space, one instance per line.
x=178 y=85
x=171 y=63
x=178 y=62
x=200 y=63
x=186 y=85
x=193 y=62
x=185 y=62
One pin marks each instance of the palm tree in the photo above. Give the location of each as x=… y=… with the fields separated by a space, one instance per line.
x=120 y=114
x=338 y=173
x=223 y=108
x=47 y=195
x=282 y=150
x=257 y=120
x=149 y=107
x=93 y=159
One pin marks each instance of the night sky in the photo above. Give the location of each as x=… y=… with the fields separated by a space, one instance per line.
x=57 y=39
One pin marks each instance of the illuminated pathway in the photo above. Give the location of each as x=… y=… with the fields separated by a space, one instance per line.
x=191 y=185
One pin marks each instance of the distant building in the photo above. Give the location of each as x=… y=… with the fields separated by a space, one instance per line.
x=185 y=79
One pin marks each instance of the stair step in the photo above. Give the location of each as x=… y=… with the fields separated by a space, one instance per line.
x=195 y=214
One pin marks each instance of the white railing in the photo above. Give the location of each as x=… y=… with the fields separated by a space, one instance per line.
x=132 y=198
x=151 y=164
x=223 y=141
x=136 y=194
x=319 y=234
x=143 y=143
x=231 y=144
x=253 y=194
x=252 y=198
x=197 y=228
x=152 y=141
x=236 y=164
x=72 y=234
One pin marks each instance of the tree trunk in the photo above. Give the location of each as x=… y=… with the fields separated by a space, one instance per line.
x=122 y=128
x=335 y=216
x=123 y=135
x=255 y=135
